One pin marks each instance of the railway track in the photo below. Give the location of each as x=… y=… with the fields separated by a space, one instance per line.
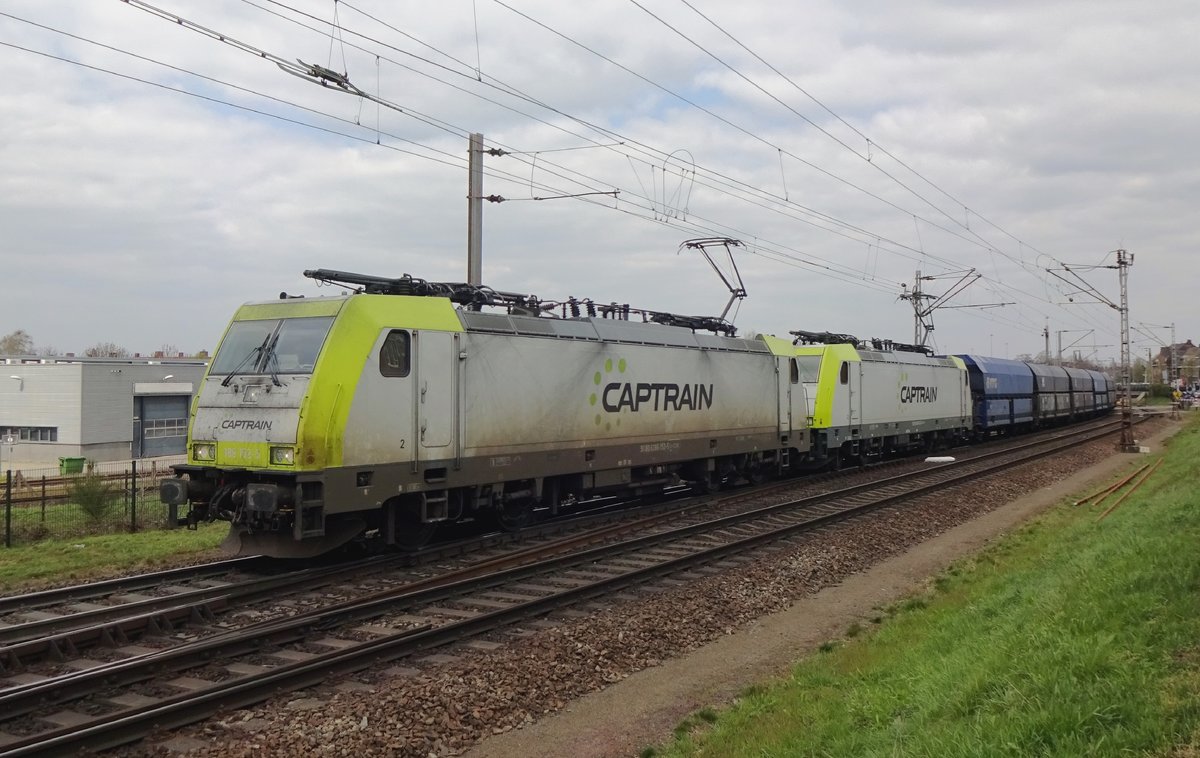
x=186 y=603
x=61 y=623
x=259 y=660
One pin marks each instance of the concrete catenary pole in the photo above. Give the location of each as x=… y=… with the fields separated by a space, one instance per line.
x=475 y=211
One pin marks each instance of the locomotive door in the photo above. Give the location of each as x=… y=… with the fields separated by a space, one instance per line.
x=435 y=391
x=852 y=376
x=788 y=374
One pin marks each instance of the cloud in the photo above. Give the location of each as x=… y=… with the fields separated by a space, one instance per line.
x=1046 y=132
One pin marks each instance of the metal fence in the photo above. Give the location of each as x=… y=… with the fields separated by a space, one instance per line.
x=106 y=498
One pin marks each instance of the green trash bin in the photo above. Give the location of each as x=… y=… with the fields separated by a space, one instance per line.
x=71 y=465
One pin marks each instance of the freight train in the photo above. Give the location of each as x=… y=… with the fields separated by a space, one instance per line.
x=379 y=414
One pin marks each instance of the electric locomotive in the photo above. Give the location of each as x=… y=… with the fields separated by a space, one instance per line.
x=879 y=398
x=404 y=404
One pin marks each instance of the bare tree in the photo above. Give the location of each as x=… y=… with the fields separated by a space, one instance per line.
x=16 y=343
x=106 y=350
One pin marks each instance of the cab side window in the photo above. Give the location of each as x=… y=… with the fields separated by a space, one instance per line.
x=795 y=368
x=395 y=356
x=845 y=377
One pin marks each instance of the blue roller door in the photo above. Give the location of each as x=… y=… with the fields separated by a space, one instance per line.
x=163 y=424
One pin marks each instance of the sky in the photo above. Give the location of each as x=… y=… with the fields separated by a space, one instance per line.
x=160 y=168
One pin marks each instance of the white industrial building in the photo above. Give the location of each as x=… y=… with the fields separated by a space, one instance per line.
x=100 y=409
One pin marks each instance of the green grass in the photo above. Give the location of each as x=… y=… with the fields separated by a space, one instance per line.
x=77 y=559
x=1070 y=637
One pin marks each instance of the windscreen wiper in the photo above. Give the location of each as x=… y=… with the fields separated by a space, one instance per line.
x=271 y=363
x=258 y=351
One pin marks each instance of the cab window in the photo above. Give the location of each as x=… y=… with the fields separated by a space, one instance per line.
x=845 y=377
x=395 y=357
x=284 y=346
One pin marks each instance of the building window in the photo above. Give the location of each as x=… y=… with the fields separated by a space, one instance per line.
x=165 y=427
x=31 y=433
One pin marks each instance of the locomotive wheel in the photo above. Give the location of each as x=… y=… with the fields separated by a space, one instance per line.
x=699 y=478
x=407 y=531
x=757 y=473
x=513 y=516
x=414 y=535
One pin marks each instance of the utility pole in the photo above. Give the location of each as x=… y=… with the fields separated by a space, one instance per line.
x=475 y=211
x=1124 y=261
x=1046 y=336
x=918 y=317
x=1172 y=366
x=1061 y=332
x=1171 y=372
x=923 y=314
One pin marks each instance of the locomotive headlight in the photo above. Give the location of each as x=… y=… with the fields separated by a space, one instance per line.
x=283 y=456
x=204 y=451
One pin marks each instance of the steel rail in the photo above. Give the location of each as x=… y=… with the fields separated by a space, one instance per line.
x=43 y=598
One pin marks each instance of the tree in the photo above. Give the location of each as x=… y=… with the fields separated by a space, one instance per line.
x=16 y=343
x=95 y=495
x=1140 y=370
x=106 y=350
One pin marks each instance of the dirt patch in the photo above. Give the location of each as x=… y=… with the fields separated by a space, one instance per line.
x=644 y=708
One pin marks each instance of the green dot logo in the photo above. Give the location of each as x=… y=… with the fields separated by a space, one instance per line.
x=594 y=398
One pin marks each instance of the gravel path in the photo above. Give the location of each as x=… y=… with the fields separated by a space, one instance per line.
x=623 y=674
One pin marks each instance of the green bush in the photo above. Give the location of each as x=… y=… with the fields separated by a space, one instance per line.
x=95 y=496
x=1160 y=390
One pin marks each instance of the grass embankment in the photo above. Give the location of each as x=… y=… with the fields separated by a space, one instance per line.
x=79 y=559
x=1070 y=637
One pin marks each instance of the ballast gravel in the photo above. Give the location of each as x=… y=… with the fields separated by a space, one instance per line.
x=445 y=705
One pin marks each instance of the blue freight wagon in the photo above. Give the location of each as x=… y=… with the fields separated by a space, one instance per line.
x=1002 y=393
